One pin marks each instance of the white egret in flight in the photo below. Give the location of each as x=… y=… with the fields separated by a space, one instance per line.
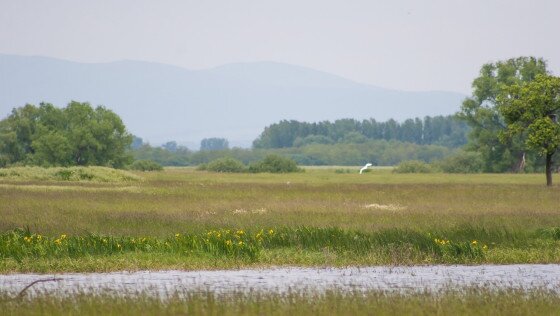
x=365 y=167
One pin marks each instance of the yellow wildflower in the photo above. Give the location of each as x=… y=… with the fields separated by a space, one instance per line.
x=270 y=232
x=228 y=242
x=474 y=242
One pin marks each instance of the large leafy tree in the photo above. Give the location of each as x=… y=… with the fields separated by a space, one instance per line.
x=530 y=111
x=16 y=133
x=75 y=135
x=481 y=112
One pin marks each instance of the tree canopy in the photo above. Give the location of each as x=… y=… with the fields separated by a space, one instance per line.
x=77 y=135
x=481 y=112
x=530 y=110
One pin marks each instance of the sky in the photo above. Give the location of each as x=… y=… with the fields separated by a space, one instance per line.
x=402 y=44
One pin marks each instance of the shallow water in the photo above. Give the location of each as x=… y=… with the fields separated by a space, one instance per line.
x=294 y=279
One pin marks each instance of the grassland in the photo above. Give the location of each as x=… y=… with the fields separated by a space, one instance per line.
x=319 y=217
x=90 y=174
x=453 y=302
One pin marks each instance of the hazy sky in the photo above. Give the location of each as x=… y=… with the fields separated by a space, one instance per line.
x=409 y=45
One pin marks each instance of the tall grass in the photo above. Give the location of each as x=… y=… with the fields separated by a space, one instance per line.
x=470 y=301
x=244 y=244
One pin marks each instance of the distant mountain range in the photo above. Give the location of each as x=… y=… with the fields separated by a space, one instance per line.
x=161 y=102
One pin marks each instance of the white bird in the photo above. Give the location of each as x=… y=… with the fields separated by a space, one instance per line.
x=365 y=167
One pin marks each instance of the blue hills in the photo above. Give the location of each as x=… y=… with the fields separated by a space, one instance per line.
x=161 y=102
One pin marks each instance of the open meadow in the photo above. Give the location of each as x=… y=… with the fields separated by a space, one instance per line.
x=186 y=219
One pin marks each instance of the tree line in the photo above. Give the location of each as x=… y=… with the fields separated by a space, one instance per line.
x=439 y=130
x=378 y=152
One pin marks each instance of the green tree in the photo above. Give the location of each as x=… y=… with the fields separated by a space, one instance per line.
x=530 y=111
x=96 y=136
x=481 y=113
x=16 y=133
x=75 y=135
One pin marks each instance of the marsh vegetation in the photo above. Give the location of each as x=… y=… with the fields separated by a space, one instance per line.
x=473 y=301
x=182 y=218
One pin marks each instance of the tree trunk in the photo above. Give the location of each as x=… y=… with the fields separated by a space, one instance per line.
x=520 y=164
x=548 y=169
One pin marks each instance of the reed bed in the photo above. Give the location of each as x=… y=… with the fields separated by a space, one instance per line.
x=470 y=301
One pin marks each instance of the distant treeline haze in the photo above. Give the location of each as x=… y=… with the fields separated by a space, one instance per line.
x=439 y=130
x=342 y=142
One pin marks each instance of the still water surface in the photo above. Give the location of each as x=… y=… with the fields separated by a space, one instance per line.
x=294 y=279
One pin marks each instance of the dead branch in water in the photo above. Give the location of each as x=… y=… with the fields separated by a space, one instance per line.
x=22 y=292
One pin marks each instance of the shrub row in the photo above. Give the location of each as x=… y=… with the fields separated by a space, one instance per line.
x=271 y=164
x=460 y=162
x=145 y=165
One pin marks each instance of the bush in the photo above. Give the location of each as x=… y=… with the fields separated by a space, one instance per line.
x=225 y=164
x=145 y=165
x=413 y=166
x=462 y=162
x=340 y=170
x=275 y=164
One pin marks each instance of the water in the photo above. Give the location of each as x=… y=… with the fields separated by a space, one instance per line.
x=293 y=279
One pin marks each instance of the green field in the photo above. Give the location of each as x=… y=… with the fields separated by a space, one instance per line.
x=186 y=219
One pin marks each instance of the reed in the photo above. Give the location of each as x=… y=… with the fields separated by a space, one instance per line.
x=470 y=301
